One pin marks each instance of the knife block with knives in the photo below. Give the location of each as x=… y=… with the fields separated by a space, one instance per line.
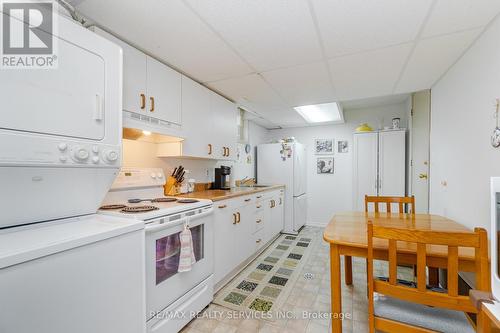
x=175 y=179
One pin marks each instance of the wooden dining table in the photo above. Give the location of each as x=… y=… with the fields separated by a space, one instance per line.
x=347 y=235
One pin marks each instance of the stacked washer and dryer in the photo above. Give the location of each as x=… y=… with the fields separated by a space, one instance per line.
x=64 y=268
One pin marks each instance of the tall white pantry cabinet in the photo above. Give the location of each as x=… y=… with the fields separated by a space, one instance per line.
x=379 y=165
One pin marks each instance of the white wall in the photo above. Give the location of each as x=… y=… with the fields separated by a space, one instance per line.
x=143 y=154
x=329 y=194
x=462 y=121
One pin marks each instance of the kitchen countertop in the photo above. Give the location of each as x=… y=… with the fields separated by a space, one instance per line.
x=218 y=195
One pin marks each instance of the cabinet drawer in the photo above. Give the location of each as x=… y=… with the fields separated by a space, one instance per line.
x=259 y=239
x=259 y=220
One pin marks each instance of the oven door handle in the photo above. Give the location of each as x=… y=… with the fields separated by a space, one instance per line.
x=162 y=226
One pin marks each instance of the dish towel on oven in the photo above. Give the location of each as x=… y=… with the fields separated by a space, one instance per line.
x=186 y=258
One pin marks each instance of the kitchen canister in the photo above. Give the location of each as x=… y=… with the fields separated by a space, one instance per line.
x=395 y=123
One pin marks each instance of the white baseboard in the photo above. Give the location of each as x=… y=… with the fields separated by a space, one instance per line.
x=317 y=224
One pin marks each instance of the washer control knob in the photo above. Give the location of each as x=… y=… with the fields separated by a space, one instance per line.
x=111 y=156
x=80 y=154
x=95 y=159
x=62 y=146
x=159 y=175
x=153 y=175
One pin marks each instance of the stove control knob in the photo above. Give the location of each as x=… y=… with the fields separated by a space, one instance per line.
x=159 y=175
x=62 y=146
x=80 y=154
x=95 y=159
x=153 y=175
x=110 y=156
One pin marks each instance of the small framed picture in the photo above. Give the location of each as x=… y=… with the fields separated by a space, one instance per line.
x=324 y=165
x=342 y=147
x=323 y=146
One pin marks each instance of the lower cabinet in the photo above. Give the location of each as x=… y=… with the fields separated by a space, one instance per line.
x=243 y=226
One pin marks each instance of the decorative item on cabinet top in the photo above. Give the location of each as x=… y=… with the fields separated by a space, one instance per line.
x=364 y=128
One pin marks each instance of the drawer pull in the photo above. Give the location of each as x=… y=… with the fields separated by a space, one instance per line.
x=222 y=206
x=247 y=200
x=209 y=149
x=258 y=241
x=259 y=196
x=239 y=217
x=258 y=221
x=234 y=219
x=259 y=206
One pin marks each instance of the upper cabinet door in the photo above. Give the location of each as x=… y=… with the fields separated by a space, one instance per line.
x=134 y=74
x=197 y=120
x=163 y=92
x=224 y=126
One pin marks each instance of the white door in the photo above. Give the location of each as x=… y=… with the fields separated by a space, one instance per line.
x=392 y=163
x=134 y=74
x=164 y=92
x=66 y=101
x=365 y=168
x=299 y=170
x=197 y=119
x=420 y=132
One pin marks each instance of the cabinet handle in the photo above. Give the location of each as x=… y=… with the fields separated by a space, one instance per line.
x=234 y=219
x=143 y=101
x=258 y=241
x=247 y=200
x=225 y=151
x=259 y=196
x=209 y=149
x=281 y=201
x=228 y=152
x=259 y=206
x=239 y=217
x=222 y=206
x=258 y=221
x=152 y=100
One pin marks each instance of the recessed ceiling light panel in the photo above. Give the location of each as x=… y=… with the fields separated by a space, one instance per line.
x=321 y=113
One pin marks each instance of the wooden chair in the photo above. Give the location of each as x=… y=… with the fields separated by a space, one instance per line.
x=417 y=308
x=388 y=201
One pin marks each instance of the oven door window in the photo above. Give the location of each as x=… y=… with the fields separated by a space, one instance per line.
x=168 y=251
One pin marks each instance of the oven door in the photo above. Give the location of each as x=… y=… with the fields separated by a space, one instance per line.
x=163 y=283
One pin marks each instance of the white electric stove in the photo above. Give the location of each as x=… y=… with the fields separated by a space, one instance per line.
x=137 y=193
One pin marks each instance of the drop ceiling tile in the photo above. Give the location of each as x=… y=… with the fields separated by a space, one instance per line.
x=455 y=15
x=432 y=58
x=302 y=85
x=250 y=91
x=171 y=32
x=368 y=74
x=358 y=25
x=268 y=34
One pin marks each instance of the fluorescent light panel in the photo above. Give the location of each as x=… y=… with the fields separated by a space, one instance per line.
x=320 y=113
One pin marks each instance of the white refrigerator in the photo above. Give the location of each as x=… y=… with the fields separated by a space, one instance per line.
x=286 y=164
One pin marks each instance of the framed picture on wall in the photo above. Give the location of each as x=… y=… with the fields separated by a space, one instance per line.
x=323 y=146
x=342 y=147
x=324 y=165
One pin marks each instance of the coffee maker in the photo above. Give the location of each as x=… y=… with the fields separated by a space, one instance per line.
x=221 y=178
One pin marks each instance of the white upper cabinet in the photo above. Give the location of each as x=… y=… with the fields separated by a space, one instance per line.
x=163 y=92
x=225 y=127
x=197 y=120
x=150 y=88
